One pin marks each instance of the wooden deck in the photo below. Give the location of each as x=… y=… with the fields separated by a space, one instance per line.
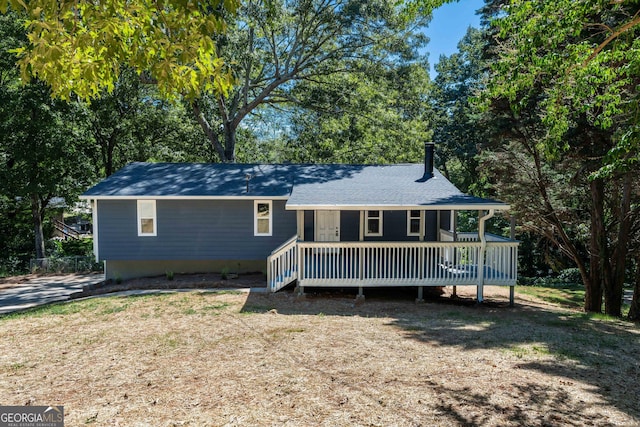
x=369 y=264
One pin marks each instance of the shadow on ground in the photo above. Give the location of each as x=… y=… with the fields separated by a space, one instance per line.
x=570 y=346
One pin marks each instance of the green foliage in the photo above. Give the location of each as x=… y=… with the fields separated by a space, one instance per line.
x=291 y=57
x=80 y=247
x=132 y=124
x=43 y=150
x=585 y=57
x=79 y=46
x=377 y=115
x=459 y=129
x=16 y=236
x=570 y=275
x=52 y=148
x=563 y=84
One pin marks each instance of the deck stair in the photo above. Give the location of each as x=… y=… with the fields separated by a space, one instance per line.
x=67 y=232
x=282 y=265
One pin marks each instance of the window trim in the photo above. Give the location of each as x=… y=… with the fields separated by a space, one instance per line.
x=140 y=218
x=419 y=218
x=256 y=203
x=366 y=223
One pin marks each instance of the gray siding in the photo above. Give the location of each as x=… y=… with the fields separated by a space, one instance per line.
x=431 y=226
x=190 y=230
x=350 y=226
x=394 y=228
x=445 y=220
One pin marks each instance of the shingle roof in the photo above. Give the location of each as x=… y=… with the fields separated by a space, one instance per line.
x=195 y=180
x=322 y=185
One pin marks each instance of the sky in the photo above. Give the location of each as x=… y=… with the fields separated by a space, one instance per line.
x=448 y=26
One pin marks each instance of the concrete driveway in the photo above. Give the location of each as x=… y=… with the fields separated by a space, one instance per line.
x=43 y=290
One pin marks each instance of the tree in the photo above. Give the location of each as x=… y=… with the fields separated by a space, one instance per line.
x=276 y=46
x=378 y=115
x=133 y=124
x=80 y=46
x=462 y=129
x=41 y=154
x=586 y=55
x=569 y=105
x=458 y=128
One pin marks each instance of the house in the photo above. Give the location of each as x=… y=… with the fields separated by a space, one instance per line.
x=319 y=225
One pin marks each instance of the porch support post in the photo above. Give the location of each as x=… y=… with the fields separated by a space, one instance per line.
x=361 y=250
x=512 y=236
x=455 y=292
x=94 y=232
x=454 y=225
x=300 y=224
x=360 y=296
x=483 y=250
x=420 y=295
x=299 y=290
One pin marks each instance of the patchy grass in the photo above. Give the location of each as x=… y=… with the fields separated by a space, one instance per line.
x=569 y=295
x=566 y=295
x=252 y=359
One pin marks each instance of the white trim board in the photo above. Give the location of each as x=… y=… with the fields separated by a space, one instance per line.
x=147 y=197
x=470 y=207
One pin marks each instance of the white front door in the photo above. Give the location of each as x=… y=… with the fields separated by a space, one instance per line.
x=327 y=226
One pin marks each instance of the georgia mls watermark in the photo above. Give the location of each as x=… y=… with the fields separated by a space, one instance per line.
x=31 y=416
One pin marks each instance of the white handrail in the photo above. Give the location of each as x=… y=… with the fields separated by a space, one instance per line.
x=282 y=265
x=406 y=263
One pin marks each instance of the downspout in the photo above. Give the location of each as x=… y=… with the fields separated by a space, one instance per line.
x=94 y=225
x=483 y=250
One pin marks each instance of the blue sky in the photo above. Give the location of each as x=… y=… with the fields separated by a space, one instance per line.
x=448 y=26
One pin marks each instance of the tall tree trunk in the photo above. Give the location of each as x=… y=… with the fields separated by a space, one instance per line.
x=36 y=215
x=111 y=146
x=211 y=134
x=614 y=285
x=229 y=143
x=634 y=311
x=593 y=289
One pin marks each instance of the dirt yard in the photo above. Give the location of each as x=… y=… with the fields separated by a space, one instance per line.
x=237 y=359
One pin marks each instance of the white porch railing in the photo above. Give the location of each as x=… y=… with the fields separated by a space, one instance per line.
x=406 y=263
x=448 y=236
x=282 y=265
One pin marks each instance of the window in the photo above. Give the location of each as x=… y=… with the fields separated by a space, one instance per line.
x=373 y=221
x=147 y=218
x=414 y=223
x=263 y=216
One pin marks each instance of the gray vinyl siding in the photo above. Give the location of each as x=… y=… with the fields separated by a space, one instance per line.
x=190 y=230
x=430 y=226
x=350 y=226
x=394 y=228
x=445 y=220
